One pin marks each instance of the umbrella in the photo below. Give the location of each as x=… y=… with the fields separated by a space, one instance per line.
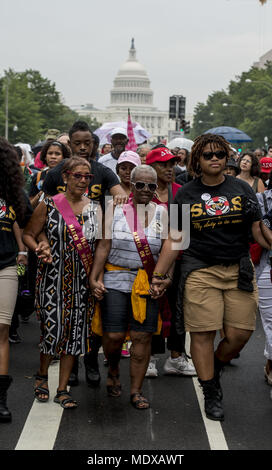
x=231 y=134
x=38 y=146
x=104 y=132
x=181 y=143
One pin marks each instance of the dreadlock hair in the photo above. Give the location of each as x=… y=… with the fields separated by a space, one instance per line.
x=12 y=179
x=197 y=149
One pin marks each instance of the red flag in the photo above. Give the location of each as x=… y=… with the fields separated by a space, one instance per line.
x=132 y=143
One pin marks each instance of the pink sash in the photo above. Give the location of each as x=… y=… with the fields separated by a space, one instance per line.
x=75 y=230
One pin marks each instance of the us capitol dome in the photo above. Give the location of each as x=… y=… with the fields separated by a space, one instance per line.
x=131 y=90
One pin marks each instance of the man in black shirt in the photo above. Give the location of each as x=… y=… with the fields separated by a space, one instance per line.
x=104 y=181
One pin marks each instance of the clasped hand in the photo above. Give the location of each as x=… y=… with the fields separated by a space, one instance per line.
x=158 y=287
x=43 y=252
x=98 y=289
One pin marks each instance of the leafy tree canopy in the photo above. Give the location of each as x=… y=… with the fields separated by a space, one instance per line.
x=34 y=106
x=246 y=105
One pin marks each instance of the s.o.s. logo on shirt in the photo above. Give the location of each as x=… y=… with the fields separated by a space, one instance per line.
x=218 y=205
x=3 y=208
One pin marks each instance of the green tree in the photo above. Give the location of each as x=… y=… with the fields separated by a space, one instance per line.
x=91 y=121
x=34 y=106
x=24 y=120
x=246 y=105
x=54 y=112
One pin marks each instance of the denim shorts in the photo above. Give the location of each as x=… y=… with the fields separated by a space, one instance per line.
x=117 y=313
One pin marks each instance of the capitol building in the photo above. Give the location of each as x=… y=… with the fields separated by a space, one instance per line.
x=131 y=90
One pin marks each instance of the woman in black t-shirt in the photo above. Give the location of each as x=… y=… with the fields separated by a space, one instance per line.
x=217 y=288
x=14 y=211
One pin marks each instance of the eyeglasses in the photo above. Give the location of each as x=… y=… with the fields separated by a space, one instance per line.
x=140 y=185
x=245 y=161
x=80 y=176
x=220 y=154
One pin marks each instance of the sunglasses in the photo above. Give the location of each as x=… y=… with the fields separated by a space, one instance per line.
x=220 y=154
x=139 y=185
x=80 y=176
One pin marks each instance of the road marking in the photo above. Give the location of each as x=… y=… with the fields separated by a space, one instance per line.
x=214 y=429
x=43 y=421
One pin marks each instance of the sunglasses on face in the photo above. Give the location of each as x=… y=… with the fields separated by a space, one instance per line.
x=139 y=185
x=80 y=176
x=220 y=154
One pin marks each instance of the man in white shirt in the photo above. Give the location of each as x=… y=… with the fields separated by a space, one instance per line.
x=119 y=140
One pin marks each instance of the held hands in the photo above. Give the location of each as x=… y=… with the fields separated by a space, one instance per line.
x=158 y=287
x=98 y=289
x=22 y=259
x=43 y=252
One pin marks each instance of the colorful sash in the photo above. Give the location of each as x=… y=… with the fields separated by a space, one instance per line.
x=75 y=230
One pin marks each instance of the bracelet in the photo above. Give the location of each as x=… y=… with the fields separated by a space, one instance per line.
x=169 y=277
x=25 y=253
x=160 y=275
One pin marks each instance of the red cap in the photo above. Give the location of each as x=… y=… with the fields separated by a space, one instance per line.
x=266 y=164
x=161 y=154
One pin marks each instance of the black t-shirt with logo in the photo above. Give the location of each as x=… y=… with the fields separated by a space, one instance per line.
x=8 y=244
x=220 y=218
x=103 y=180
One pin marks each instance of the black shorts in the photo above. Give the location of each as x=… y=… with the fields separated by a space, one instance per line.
x=117 y=313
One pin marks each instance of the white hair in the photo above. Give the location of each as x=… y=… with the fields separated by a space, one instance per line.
x=142 y=168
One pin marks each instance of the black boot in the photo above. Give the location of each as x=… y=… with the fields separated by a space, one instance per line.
x=92 y=368
x=213 y=399
x=218 y=369
x=5 y=414
x=73 y=379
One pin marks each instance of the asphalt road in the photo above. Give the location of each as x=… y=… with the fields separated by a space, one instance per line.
x=174 y=422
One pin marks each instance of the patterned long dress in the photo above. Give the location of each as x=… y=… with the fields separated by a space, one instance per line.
x=64 y=304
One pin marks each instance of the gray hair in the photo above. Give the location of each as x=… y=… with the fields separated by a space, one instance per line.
x=142 y=169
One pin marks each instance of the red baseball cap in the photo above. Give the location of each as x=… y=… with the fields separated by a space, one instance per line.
x=266 y=164
x=161 y=154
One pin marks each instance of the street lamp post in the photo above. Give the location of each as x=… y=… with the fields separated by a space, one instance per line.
x=6 y=108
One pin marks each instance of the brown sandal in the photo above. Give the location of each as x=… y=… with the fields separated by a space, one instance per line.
x=42 y=388
x=140 y=401
x=114 y=390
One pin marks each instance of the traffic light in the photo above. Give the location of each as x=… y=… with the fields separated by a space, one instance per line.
x=173 y=107
x=177 y=107
x=182 y=125
x=187 y=127
x=181 y=107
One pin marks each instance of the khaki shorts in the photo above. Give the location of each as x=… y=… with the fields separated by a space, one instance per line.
x=8 y=297
x=212 y=300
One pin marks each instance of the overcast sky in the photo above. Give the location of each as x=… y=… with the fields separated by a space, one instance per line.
x=189 y=47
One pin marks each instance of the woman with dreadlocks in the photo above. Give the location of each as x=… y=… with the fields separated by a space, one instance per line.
x=15 y=210
x=217 y=288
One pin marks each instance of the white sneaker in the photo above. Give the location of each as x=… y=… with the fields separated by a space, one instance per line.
x=152 y=369
x=179 y=366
